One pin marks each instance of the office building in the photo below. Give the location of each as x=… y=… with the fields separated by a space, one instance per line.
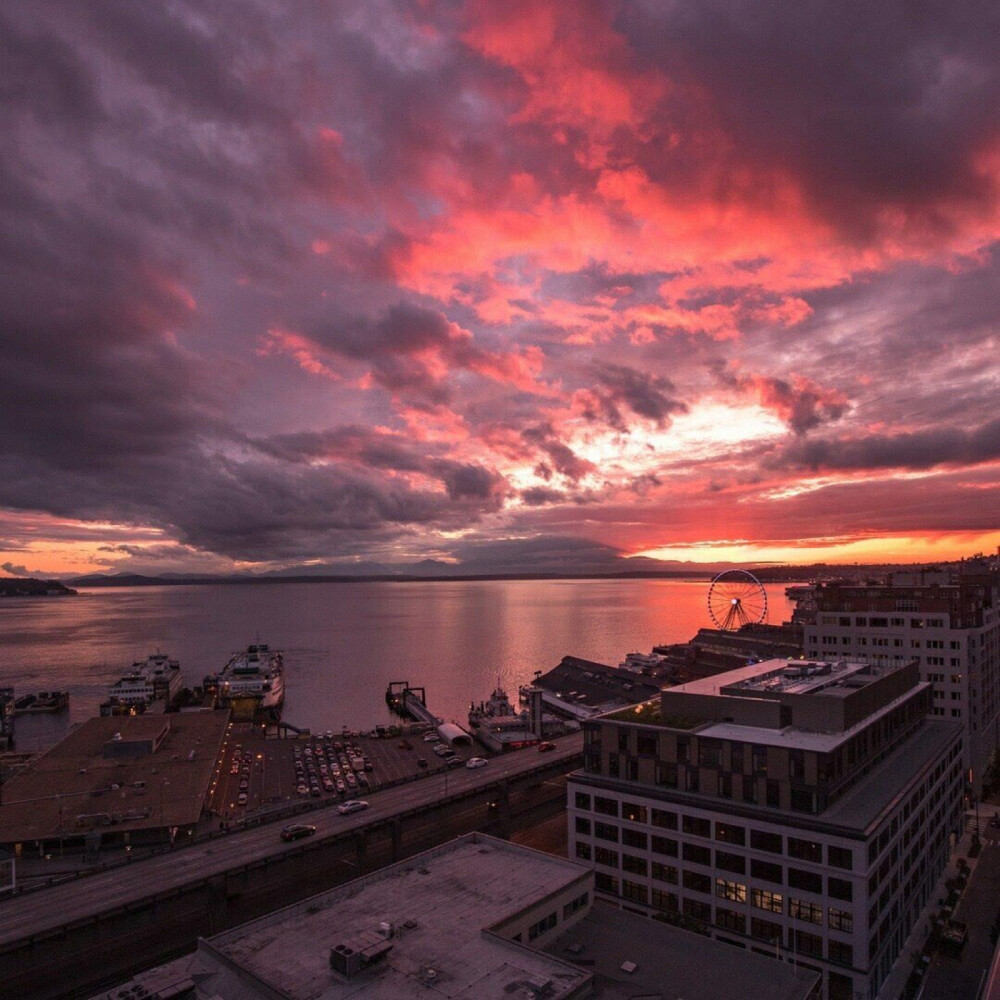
x=946 y=620
x=803 y=809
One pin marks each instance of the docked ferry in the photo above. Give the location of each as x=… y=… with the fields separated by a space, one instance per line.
x=158 y=678
x=252 y=682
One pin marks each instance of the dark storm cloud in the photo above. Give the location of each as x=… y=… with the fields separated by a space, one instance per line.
x=537 y=496
x=43 y=71
x=644 y=393
x=106 y=416
x=364 y=445
x=373 y=449
x=916 y=450
x=562 y=458
x=800 y=403
x=470 y=481
x=868 y=106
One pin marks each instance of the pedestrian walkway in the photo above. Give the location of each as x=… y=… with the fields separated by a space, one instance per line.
x=895 y=983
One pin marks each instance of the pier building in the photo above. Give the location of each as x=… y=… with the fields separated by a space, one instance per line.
x=801 y=808
x=131 y=778
x=579 y=689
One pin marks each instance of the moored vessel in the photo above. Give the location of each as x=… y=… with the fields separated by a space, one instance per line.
x=155 y=680
x=252 y=683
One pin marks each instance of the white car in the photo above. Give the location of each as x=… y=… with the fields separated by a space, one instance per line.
x=476 y=762
x=353 y=806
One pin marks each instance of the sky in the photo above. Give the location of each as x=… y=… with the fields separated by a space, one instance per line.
x=505 y=286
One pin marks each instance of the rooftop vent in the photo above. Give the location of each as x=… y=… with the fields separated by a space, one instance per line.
x=628 y=967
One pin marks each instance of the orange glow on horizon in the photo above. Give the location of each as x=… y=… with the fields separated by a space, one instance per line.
x=945 y=547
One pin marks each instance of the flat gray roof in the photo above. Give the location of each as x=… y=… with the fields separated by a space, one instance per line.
x=696 y=967
x=803 y=739
x=441 y=904
x=863 y=804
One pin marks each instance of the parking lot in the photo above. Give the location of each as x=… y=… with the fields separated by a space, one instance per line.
x=254 y=772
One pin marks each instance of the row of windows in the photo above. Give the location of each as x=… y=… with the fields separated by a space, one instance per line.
x=802 y=942
x=883 y=658
x=730 y=889
x=540 y=927
x=575 y=904
x=868 y=621
x=698 y=826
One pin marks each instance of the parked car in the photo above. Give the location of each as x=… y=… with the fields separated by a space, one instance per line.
x=352 y=806
x=297 y=831
x=421 y=762
x=476 y=762
x=454 y=762
x=241 y=799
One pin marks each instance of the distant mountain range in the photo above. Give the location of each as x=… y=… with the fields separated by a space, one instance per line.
x=430 y=570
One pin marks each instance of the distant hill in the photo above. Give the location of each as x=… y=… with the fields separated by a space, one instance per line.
x=30 y=587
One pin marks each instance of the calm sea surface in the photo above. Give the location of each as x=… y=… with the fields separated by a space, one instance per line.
x=344 y=642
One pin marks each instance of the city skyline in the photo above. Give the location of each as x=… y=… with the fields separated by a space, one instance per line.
x=511 y=287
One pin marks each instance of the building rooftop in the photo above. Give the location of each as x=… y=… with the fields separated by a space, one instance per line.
x=784 y=676
x=861 y=806
x=809 y=704
x=696 y=967
x=595 y=685
x=161 y=765
x=801 y=739
x=454 y=912
x=447 y=907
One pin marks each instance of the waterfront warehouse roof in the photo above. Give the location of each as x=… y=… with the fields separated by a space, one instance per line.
x=595 y=685
x=71 y=788
x=695 y=966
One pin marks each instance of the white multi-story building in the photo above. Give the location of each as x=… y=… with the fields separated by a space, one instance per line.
x=948 y=621
x=798 y=809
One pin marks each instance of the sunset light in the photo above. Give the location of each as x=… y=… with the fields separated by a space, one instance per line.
x=456 y=274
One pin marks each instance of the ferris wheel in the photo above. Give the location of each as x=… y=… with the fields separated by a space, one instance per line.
x=736 y=598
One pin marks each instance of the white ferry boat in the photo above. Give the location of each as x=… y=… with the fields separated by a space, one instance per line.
x=637 y=662
x=158 y=678
x=256 y=675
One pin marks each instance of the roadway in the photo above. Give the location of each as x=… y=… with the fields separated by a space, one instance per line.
x=46 y=910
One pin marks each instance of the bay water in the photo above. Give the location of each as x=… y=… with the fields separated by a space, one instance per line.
x=343 y=642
